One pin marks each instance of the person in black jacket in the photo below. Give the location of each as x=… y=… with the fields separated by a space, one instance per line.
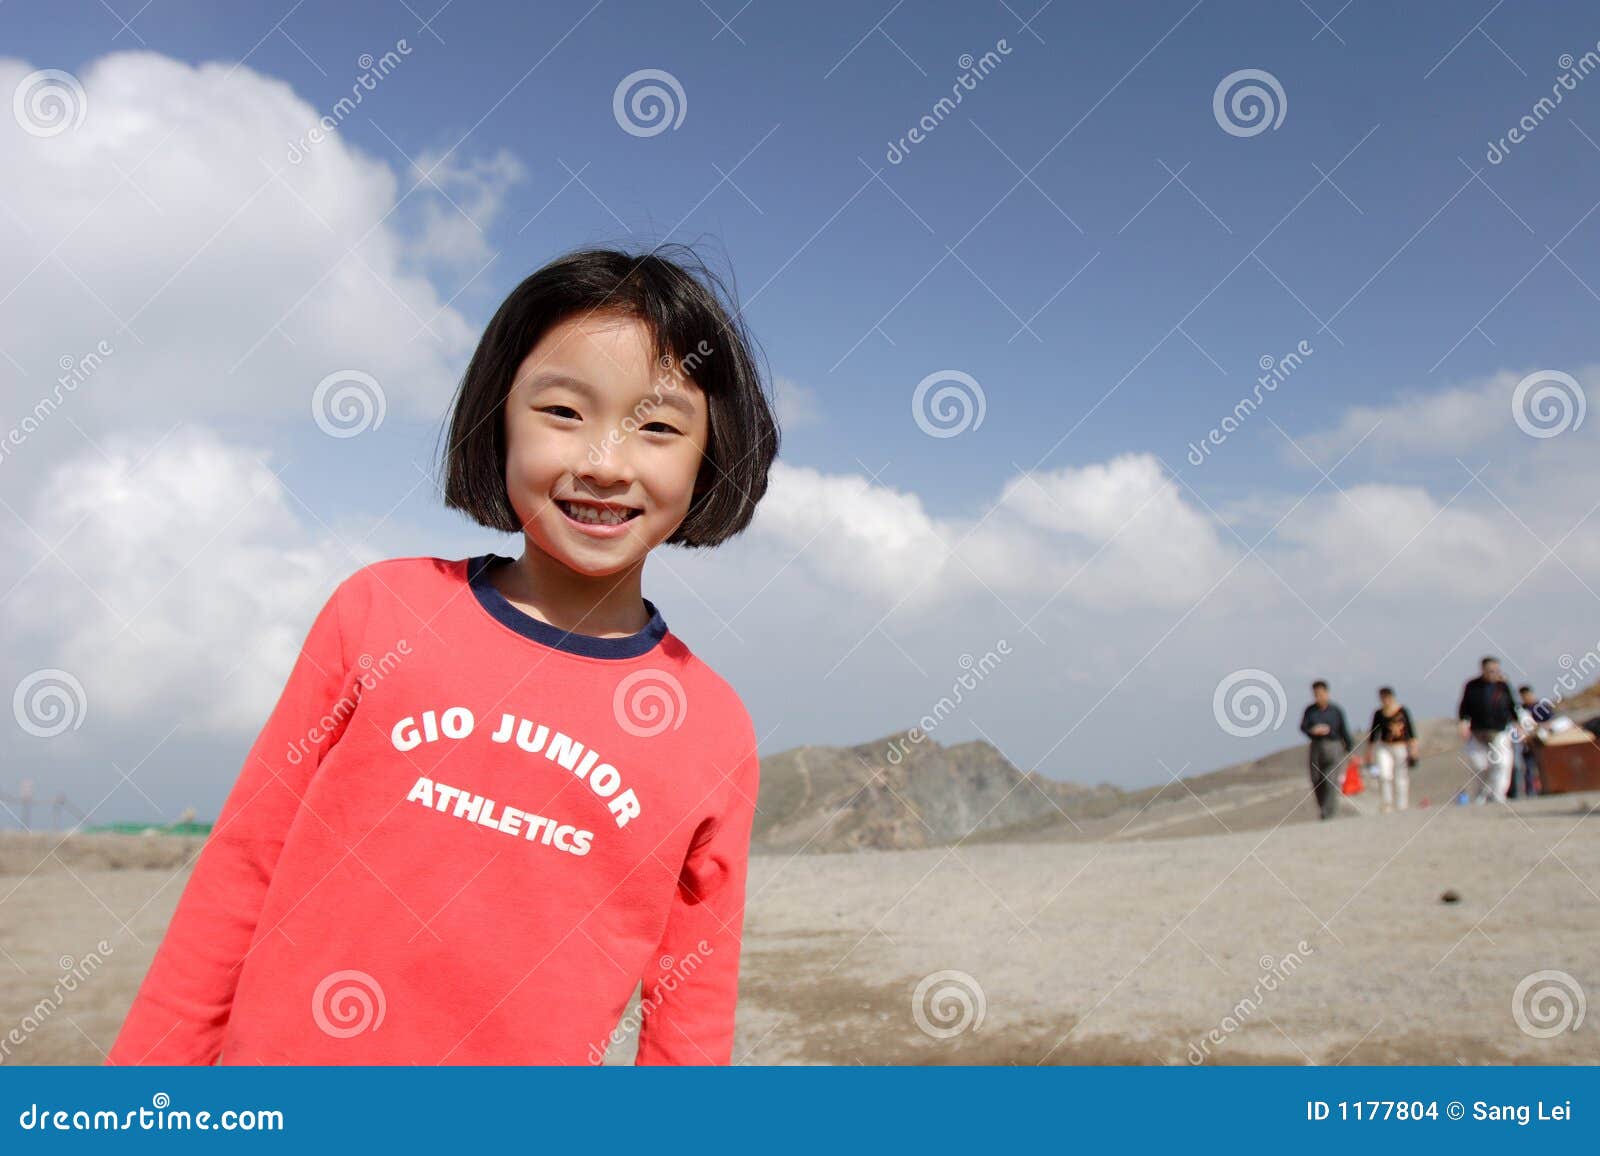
x=1488 y=712
x=1323 y=723
x=1535 y=712
x=1392 y=749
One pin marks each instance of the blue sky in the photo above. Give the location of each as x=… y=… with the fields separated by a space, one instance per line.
x=1080 y=235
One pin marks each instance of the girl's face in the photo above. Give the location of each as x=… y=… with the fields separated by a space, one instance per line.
x=592 y=420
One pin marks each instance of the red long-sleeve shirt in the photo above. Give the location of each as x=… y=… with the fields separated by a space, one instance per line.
x=463 y=837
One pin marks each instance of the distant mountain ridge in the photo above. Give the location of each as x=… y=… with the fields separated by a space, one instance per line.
x=895 y=794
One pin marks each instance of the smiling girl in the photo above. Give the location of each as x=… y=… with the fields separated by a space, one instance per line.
x=496 y=794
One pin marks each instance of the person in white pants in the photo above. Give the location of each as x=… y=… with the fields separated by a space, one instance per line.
x=1391 y=750
x=1489 y=752
x=1488 y=712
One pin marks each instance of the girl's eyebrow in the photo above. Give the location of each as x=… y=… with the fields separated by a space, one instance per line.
x=672 y=399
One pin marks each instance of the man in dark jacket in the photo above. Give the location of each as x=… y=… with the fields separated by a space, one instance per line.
x=1487 y=713
x=1323 y=723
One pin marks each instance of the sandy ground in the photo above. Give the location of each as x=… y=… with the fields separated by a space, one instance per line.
x=1133 y=950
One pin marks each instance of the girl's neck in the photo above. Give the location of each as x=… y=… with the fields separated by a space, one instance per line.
x=607 y=607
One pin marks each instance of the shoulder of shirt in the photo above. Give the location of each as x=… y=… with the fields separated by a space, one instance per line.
x=399 y=581
x=391 y=574
x=720 y=697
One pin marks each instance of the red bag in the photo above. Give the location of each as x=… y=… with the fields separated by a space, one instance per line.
x=1352 y=778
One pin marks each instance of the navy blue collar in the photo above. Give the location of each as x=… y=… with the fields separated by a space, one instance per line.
x=525 y=624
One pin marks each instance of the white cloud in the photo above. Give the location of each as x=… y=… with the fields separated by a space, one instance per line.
x=797 y=404
x=866 y=538
x=1439 y=423
x=180 y=583
x=243 y=279
x=471 y=196
x=1115 y=534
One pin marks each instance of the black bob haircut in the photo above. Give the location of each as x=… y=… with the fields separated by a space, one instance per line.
x=686 y=317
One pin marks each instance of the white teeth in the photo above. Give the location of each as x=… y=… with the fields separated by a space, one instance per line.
x=581 y=513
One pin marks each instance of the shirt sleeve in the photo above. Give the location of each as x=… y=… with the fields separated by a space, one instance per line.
x=691 y=986
x=1305 y=723
x=180 y=1013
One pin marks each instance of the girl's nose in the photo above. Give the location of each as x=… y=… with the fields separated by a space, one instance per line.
x=609 y=462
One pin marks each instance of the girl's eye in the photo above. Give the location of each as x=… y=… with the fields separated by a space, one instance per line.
x=662 y=427
x=567 y=408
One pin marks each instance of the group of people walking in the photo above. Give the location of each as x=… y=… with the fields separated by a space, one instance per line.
x=1496 y=728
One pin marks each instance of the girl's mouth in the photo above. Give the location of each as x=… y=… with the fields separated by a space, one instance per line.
x=597 y=520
